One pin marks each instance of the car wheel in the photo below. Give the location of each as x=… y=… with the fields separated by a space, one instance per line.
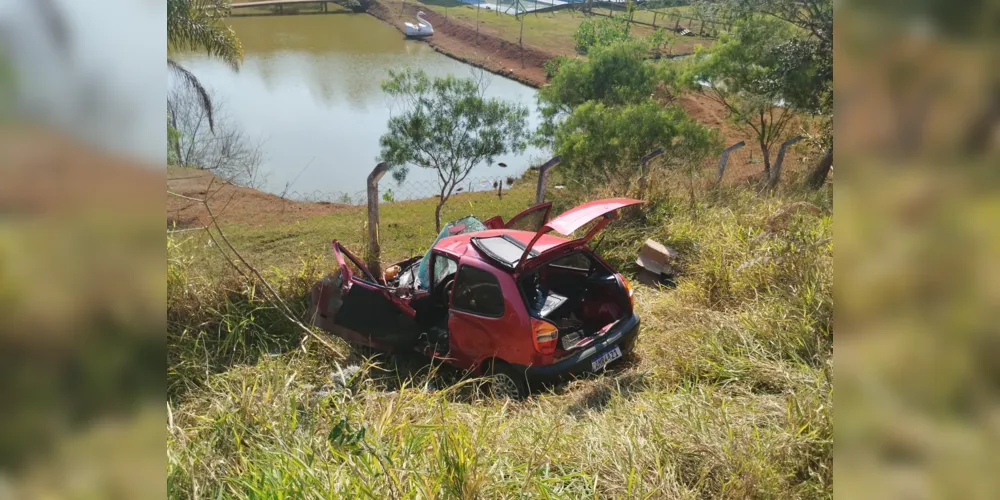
x=506 y=382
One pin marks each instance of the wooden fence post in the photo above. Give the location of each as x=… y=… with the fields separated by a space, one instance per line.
x=643 y=172
x=654 y=18
x=724 y=159
x=520 y=37
x=374 y=251
x=776 y=168
x=543 y=177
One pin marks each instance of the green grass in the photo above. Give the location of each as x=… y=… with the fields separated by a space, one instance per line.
x=406 y=227
x=729 y=394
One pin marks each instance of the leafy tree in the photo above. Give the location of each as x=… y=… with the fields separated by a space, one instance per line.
x=200 y=25
x=614 y=75
x=743 y=72
x=449 y=127
x=603 y=144
x=805 y=61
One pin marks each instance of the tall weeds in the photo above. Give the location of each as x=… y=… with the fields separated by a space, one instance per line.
x=728 y=395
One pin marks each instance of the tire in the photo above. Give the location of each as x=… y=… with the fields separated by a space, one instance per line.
x=506 y=382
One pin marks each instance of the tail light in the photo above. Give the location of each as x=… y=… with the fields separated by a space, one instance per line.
x=628 y=288
x=546 y=336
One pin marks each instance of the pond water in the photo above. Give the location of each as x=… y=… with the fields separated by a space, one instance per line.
x=309 y=88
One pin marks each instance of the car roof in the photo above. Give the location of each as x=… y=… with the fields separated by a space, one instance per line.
x=461 y=245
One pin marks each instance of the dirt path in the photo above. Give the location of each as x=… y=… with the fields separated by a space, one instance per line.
x=461 y=42
x=230 y=203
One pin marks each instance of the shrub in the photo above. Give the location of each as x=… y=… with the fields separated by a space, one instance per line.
x=601 y=32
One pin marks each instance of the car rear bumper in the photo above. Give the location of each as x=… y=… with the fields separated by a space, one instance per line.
x=623 y=335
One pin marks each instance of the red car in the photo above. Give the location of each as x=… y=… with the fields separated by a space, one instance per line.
x=509 y=300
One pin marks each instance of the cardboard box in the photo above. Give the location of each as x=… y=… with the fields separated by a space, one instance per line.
x=656 y=263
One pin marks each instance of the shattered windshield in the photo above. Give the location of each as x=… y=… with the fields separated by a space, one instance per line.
x=464 y=225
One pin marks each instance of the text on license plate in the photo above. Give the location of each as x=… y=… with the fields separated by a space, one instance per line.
x=602 y=360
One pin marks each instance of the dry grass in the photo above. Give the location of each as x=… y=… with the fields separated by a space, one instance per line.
x=728 y=395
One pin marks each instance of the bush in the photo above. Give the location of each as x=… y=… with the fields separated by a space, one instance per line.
x=602 y=32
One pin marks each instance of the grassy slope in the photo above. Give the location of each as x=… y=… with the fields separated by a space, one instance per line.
x=406 y=230
x=729 y=393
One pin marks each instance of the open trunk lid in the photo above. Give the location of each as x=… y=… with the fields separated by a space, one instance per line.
x=569 y=221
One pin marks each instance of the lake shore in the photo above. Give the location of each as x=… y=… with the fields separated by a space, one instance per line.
x=492 y=52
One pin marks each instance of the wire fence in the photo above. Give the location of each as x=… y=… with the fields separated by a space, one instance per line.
x=670 y=20
x=391 y=191
x=740 y=165
x=748 y=162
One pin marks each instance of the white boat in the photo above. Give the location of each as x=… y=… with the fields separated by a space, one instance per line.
x=422 y=28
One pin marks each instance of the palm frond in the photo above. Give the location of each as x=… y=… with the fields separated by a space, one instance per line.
x=200 y=25
x=192 y=81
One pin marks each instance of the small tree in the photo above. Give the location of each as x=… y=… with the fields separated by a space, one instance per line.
x=603 y=144
x=742 y=72
x=447 y=126
x=806 y=62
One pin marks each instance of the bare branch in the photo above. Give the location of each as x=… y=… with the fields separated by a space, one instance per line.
x=275 y=299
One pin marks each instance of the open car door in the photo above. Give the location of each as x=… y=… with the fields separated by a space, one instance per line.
x=569 y=221
x=354 y=305
x=530 y=219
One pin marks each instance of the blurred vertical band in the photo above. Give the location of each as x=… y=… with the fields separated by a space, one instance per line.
x=918 y=249
x=82 y=298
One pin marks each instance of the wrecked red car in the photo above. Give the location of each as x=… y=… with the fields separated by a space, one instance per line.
x=509 y=300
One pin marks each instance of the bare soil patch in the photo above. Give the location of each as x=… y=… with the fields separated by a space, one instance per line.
x=230 y=203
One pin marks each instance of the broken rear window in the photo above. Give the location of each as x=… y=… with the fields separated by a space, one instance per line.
x=503 y=249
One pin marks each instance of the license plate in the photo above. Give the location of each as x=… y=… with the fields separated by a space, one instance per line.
x=609 y=356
